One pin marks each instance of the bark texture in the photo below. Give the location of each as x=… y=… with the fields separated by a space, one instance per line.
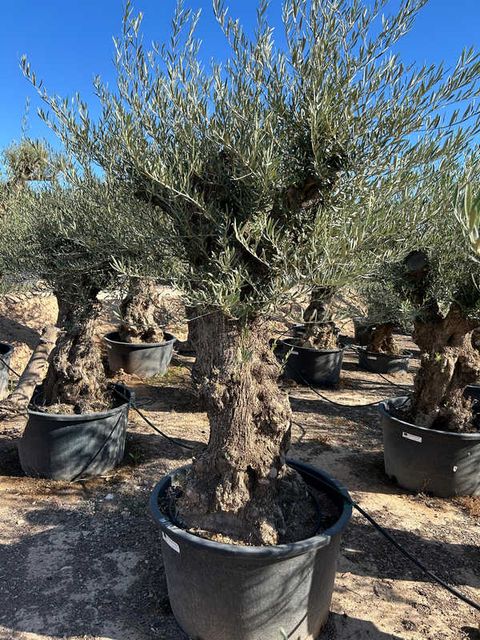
x=76 y=376
x=320 y=331
x=33 y=374
x=233 y=487
x=381 y=340
x=449 y=363
x=138 y=309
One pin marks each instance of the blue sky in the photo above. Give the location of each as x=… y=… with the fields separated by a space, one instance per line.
x=70 y=41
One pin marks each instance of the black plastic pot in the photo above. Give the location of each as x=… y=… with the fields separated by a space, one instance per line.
x=310 y=366
x=473 y=391
x=144 y=359
x=6 y=351
x=443 y=463
x=382 y=362
x=221 y=591
x=69 y=447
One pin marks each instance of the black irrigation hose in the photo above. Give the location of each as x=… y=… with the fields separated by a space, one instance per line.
x=134 y=406
x=337 y=404
x=398 y=546
x=356 y=506
x=394 y=384
x=9 y=367
x=164 y=435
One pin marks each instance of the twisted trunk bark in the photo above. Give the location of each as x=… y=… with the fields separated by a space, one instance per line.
x=76 y=376
x=33 y=374
x=320 y=331
x=449 y=363
x=138 y=308
x=233 y=487
x=381 y=340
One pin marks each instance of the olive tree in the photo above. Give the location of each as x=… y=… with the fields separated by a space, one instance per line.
x=71 y=234
x=442 y=285
x=279 y=169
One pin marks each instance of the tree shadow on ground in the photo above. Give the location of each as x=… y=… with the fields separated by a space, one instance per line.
x=346 y=627
x=181 y=399
x=12 y=330
x=370 y=554
x=93 y=571
x=325 y=409
x=142 y=448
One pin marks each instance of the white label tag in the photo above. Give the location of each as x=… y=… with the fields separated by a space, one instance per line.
x=410 y=436
x=171 y=543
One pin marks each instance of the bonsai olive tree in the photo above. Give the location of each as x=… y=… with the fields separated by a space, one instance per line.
x=442 y=277
x=278 y=169
x=71 y=235
x=385 y=311
x=435 y=288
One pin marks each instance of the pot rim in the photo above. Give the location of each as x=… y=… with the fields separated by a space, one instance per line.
x=384 y=406
x=275 y=552
x=139 y=345
x=321 y=351
x=9 y=349
x=405 y=355
x=84 y=417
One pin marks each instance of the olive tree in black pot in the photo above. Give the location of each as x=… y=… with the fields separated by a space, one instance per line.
x=140 y=345
x=70 y=234
x=274 y=169
x=432 y=441
x=377 y=346
x=314 y=354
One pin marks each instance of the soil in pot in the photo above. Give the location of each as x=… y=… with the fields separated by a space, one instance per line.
x=220 y=591
x=422 y=459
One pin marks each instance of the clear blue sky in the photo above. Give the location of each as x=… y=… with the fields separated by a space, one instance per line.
x=70 y=41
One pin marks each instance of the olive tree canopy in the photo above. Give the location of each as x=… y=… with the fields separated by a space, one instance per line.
x=280 y=168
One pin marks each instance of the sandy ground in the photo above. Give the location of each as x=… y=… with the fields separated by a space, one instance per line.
x=83 y=561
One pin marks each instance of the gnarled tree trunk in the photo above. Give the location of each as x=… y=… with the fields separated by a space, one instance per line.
x=138 y=308
x=233 y=485
x=449 y=363
x=381 y=340
x=320 y=331
x=76 y=375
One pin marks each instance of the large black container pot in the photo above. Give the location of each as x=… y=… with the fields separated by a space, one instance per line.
x=221 y=591
x=144 y=359
x=443 y=463
x=310 y=366
x=6 y=351
x=382 y=362
x=69 y=447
